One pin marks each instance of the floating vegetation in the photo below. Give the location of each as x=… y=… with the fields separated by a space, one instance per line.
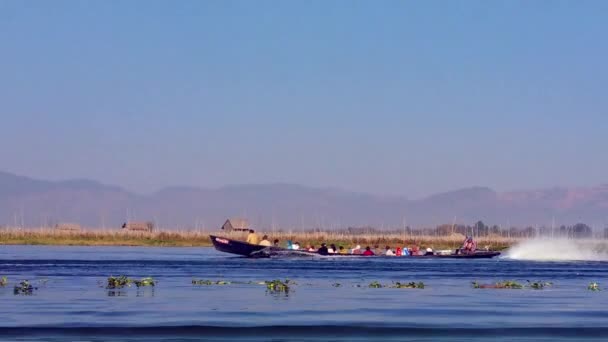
x=336 y=285
x=538 y=285
x=594 y=286
x=124 y=281
x=3 y=281
x=500 y=285
x=209 y=282
x=118 y=282
x=24 y=288
x=145 y=282
x=277 y=286
x=411 y=285
x=375 y=285
x=510 y=284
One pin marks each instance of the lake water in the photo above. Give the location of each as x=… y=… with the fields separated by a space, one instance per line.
x=71 y=303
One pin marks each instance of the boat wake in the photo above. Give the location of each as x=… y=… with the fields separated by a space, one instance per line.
x=559 y=250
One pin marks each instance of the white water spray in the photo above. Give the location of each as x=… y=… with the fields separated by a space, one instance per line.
x=559 y=250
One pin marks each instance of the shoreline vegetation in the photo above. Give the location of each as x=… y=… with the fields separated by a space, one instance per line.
x=200 y=238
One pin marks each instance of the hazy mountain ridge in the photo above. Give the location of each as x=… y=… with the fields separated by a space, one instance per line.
x=33 y=202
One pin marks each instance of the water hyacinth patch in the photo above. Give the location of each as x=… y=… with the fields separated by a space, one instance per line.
x=411 y=285
x=124 y=281
x=500 y=285
x=538 y=285
x=594 y=286
x=277 y=286
x=118 y=282
x=145 y=282
x=3 y=281
x=375 y=285
x=24 y=288
x=209 y=282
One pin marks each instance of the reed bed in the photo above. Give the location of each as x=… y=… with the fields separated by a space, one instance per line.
x=200 y=238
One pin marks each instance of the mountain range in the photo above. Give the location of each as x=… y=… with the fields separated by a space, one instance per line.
x=31 y=202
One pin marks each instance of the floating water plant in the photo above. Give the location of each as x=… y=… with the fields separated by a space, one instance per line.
x=118 y=282
x=411 y=285
x=24 y=288
x=539 y=285
x=500 y=285
x=375 y=285
x=594 y=287
x=209 y=282
x=145 y=282
x=277 y=286
x=122 y=281
x=3 y=281
x=336 y=284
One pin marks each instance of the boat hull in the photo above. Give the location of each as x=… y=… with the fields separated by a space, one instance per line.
x=234 y=247
x=248 y=250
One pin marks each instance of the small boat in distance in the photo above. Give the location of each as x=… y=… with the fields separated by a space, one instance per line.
x=245 y=249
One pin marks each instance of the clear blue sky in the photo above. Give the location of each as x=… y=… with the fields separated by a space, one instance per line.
x=389 y=97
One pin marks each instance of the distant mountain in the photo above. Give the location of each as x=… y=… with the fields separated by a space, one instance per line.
x=33 y=202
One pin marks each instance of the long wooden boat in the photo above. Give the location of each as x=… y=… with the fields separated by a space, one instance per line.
x=226 y=245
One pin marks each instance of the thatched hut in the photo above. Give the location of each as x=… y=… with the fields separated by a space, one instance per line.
x=142 y=226
x=72 y=227
x=236 y=225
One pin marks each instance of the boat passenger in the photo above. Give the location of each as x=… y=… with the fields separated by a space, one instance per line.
x=332 y=249
x=312 y=248
x=276 y=242
x=415 y=250
x=377 y=250
x=356 y=250
x=265 y=241
x=295 y=246
x=323 y=250
x=405 y=252
x=252 y=238
x=289 y=244
x=469 y=246
x=389 y=252
x=398 y=251
x=429 y=251
x=368 y=251
x=341 y=250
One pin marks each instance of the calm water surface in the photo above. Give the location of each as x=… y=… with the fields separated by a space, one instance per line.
x=71 y=303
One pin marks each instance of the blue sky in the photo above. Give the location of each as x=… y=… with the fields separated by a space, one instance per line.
x=389 y=97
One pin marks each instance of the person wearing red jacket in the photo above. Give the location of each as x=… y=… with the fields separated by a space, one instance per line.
x=368 y=251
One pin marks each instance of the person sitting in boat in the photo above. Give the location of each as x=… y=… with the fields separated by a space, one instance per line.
x=398 y=251
x=342 y=250
x=356 y=250
x=252 y=238
x=323 y=250
x=295 y=246
x=312 y=248
x=389 y=251
x=368 y=251
x=469 y=246
x=276 y=243
x=405 y=251
x=332 y=249
x=265 y=241
x=415 y=250
x=429 y=251
x=289 y=244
